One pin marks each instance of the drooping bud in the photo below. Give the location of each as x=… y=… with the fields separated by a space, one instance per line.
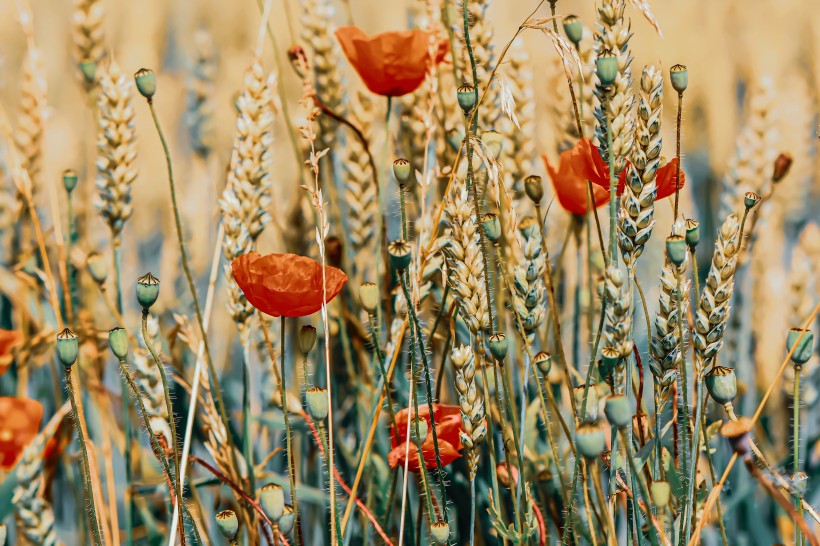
x=534 y=188
x=499 y=346
x=679 y=76
x=402 y=170
x=272 y=500
x=492 y=227
x=466 y=98
x=146 y=82
x=590 y=440
x=68 y=347
x=369 y=297
x=805 y=346
x=781 y=167
x=610 y=358
x=676 y=249
x=722 y=384
x=228 y=524
x=307 y=339
x=440 y=532
x=401 y=254
x=70 y=180
x=606 y=66
x=618 y=410
x=317 y=403
x=118 y=340
x=147 y=290
x=574 y=29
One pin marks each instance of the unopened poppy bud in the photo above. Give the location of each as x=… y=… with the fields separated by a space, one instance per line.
x=679 y=76
x=68 y=347
x=317 y=403
x=592 y=402
x=118 y=340
x=401 y=254
x=70 y=180
x=418 y=431
x=402 y=171
x=590 y=440
x=147 y=290
x=369 y=297
x=722 y=384
x=692 y=233
x=606 y=66
x=505 y=478
x=534 y=188
x=307 y=339
x=676 y=249
x=498 y=346
x=492 y=227
x=805 y=346
x=146 y=82
x=544 y=362
x=660 y=492
x=227 y=523
x=737 y=432
x=97 y=267
x=574 y=29
x=440 y=532
x=781 y=166
x=494 y=141
x=618 y=411
x=272 y=500
x=751 y=199
x=528 y=227
x=466 y=98
x=89 y=71
x=287 y=520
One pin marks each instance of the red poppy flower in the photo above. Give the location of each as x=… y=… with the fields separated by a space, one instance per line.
x=285 y=285
x=19 y=423
x=665 y=179
x=8 y=340
x=448 y=427
x=570 y=187
x=392 y=63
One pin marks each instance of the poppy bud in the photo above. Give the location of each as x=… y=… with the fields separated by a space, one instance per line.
x=298 y=59
x=317 y=403
x=606 y=66
x=287 y=520
x=507 y=479
x=592 y=402
x=401 y=254
x=618 y=411
x=69 y=180
x=369 y=297
x=798 y=486
x=402 y=171
x=440 y=532
x=466 y=98
x=805 y=347
x=333 y=251
x=272 y=500
x=692 y=233
x=574 y=29
x=147 y=290
x=751 y=199
x=499 y=346
x=660 y=492
x=528 y=227
x=146 y=82
x=544 y=362
x=307 y=339
x=676 y=249
x=494 y=141
x=89 y=71
x=679 y=77
x=95 y=263
x=737 y=432
x=418 y=431
x=534 y=188
x=722 y=384
x=68 y=347
x=781 y=166
x=590 y=440
x=118 y=340
x=610 y=358
x=492 y=227
x=228 y=524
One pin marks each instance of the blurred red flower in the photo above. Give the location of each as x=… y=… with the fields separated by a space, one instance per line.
x=19 y=423
x=571 y=187
x=285 y=285
x=448 y=427
x=8 y=340
x=392 y=63
x=665 y=179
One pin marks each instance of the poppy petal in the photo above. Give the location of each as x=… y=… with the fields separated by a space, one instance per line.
x=665 y=179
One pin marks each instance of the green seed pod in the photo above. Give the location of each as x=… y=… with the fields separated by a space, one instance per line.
x=402 y=171
x=317 y=403
x=574 y=29
x=369 y=297
x=418 y=437
x=528 y=226
x=804 y=349
x=492 y=227
x=610 y=358
x=660 y=492
x=89 y=71
x=440 y=532
x=147 y=290
x=590 y=440
x=146 y=82
x=307 y=339
x=544 y=362
x=498 y=346
x=679 y=77
x=692 y=233
x=287 y=520
x=676 y=249
x=97 y=267
x=618 y=410
x=534 y=188
x=466 y=98
x=272 y=500
x=493 y=141
x=750 y=199
x=68 y=347
x=228 y=524
x=737 y=432
x=722 y=384
x=118 y=340
x=606 y=66
x=592 y=402
x=70 y=180
x=400 y=253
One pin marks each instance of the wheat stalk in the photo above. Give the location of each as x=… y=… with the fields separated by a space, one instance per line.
x=520 y=151
x=360 y=188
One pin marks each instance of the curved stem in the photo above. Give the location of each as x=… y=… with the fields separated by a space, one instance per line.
x=677 y=155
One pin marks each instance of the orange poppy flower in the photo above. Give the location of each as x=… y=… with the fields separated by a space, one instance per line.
x=665 y=179
x=448 y=428
x=285 y=285
x=19 y=423
x=8 y=340
x=392 y=63
x=570 y=187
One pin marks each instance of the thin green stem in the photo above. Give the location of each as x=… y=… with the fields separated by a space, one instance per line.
x=642 y=487
x=247 y=438
x=613 y=186
x=798 y=535
x=374 y=337
x=683 y=417
x=490 y=435
x=126 y=412
x=504 y=425
x=288 y=435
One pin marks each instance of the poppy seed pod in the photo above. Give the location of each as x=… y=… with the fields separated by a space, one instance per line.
x=440 y=533
x=592 y=402
x=805 y=347
x=466 y=98
x=676 y=249
x=528 y=226
x=492 y=227
x=494 y=141
x=97 y=267
x=307 y=339
x=272 y=500
x=610 y=358
x=89 y=71
x=317 y=403
x=534 y=188
x=737 y=432
x=692 y=233
x=146 y=82
x=418 y=431
x=369 y=297
x=118 y=340
x=660 y=492
x=781 y=166
x=498 y=346
x=544 y=362
x=147 y=290
x=70 y=180
x=679 y=76
x=618 y=411
x=574 y=29
x=68 y=347
x=402 y=171
x=722 y=384
x=606 y=67
x=590 y=440
x=401 y=254
x=228 y=524
x=287 y=520
x=750 y=199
